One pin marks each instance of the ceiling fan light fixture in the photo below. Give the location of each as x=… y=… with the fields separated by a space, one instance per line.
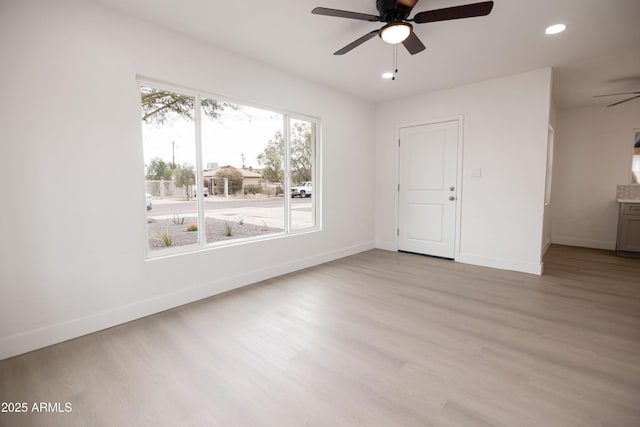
x=555 y=29
x=395 y=32
x=395 y=13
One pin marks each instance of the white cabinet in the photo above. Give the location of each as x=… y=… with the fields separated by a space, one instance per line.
x=628 y=243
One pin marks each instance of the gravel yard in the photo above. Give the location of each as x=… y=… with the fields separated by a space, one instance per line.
x=216 y=231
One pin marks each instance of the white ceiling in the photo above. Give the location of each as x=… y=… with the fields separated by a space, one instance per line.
x=599 y=52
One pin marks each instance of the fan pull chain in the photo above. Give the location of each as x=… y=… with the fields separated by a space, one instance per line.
x=395 y=61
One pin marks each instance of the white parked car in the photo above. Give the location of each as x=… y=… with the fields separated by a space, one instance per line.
x=303 y=189
x=205 y=192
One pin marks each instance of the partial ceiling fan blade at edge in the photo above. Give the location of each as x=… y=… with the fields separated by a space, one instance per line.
x=617 y=94
x=456 y=12
x=623 y=101
x=345 y=14
x=357 y=43
x=413 y=44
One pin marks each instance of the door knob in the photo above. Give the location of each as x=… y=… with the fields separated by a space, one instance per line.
x=452 y=198
x=451 y=188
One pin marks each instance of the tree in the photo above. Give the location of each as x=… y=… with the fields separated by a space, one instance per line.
x=158 y=170
x=158 y=105
x=301 y=152
x=271 y=160
x=185 y=176
x=233 y=175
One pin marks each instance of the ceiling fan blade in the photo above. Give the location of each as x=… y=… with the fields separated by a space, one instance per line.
x=357 y=43
x=625 y=100
x=413 y=44
x=344 y=14
x=455 y=12
x=616 y=94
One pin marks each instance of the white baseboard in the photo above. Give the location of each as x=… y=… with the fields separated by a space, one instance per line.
x=546 y=247
x=52 y=334
x=387 y=246
x=584 y=243
x=503 y=264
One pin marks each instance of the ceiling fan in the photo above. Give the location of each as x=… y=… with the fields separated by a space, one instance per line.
x=635 y=96
x=398 y=28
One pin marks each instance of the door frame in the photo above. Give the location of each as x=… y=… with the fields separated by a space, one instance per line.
x=459 y=191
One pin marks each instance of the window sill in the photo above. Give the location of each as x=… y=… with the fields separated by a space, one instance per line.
x=191 y=249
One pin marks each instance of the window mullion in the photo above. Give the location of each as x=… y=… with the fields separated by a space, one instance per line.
x=314 y=174
x=202 y=232
x=287 y=175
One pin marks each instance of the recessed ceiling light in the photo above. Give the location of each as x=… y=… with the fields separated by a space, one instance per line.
x=555 y=29
x=387 y=75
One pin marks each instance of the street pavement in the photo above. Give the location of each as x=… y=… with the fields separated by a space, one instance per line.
x=257 y=211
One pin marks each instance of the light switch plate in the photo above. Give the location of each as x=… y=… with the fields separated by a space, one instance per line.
x=476 y=173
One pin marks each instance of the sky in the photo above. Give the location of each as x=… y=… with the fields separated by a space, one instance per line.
x=244 y=131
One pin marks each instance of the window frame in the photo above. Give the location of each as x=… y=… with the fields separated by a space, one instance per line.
x=287 y=116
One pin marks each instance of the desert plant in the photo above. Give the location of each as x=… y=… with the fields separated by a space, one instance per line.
x=164 y=237
x=228 y=229
x=177 y=219
x=264 y=226
x=241 y=220
x=192 y=227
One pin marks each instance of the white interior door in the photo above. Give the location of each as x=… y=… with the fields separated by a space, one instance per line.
x=428 y=190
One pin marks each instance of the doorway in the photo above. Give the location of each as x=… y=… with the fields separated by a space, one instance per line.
x=428 y=188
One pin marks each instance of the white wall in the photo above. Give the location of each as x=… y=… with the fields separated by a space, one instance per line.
x=546 y=226
x=594 y=146
x=73 y=243
x=505 y=134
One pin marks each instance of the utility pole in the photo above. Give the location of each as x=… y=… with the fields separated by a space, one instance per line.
x=242 y=155
x=173 y=154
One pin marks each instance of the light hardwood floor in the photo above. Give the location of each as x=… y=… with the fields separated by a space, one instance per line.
x=376 y=339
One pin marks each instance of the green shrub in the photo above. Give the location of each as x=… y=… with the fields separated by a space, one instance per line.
x=234 y=177
x=252 y=189
x=192 y=227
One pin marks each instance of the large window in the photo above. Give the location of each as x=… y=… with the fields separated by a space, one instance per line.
x=218 y=172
